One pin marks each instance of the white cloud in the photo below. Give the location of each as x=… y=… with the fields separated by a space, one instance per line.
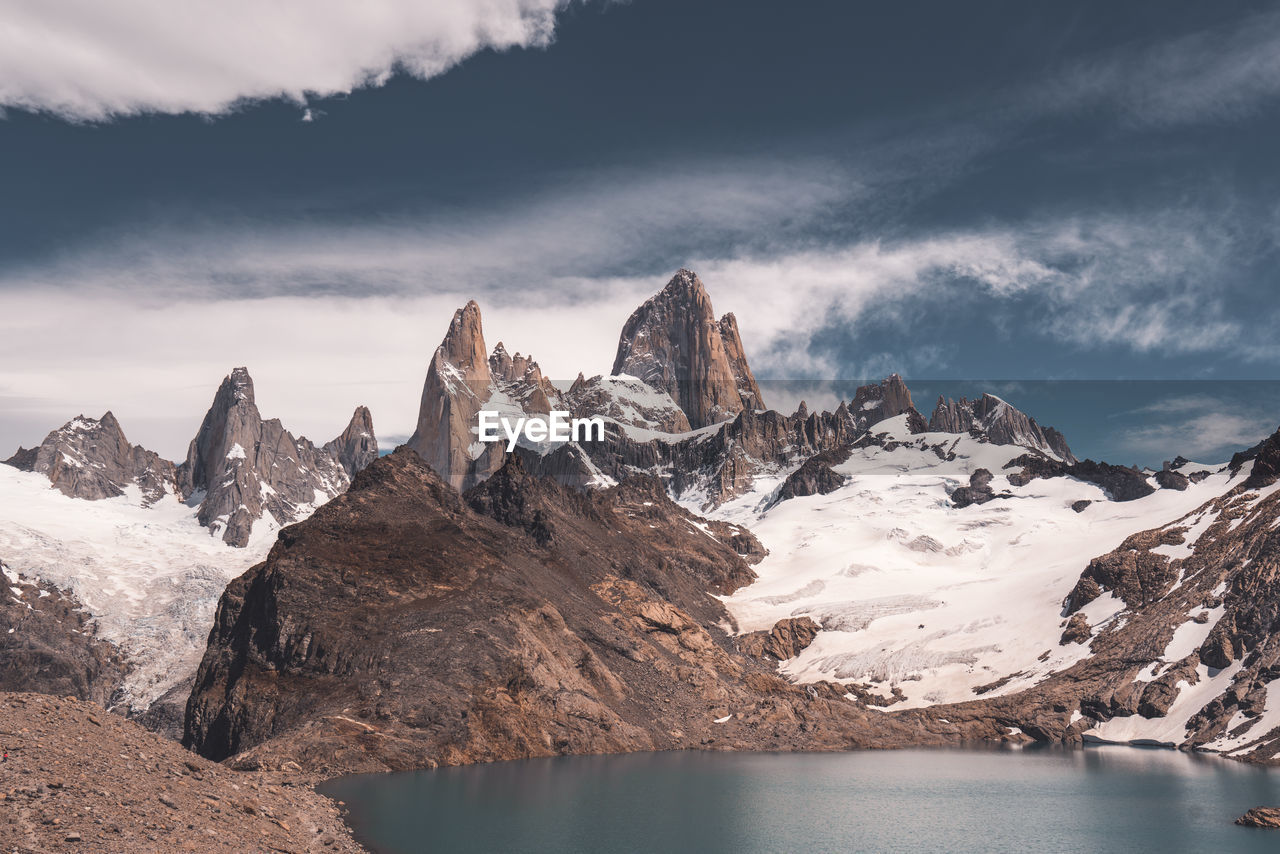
x=1180 y=404
x=608 y=221
x=86 y=59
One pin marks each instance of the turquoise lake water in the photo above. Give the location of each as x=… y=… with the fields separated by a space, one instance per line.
x=1093 y=799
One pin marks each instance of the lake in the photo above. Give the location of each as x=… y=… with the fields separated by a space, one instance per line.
x=1097 y=798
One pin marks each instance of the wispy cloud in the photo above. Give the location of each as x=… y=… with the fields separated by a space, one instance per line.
x=1148 y=282
x=83 y=59
x=1223 y=72
x=568 y=239
x=1206 y=436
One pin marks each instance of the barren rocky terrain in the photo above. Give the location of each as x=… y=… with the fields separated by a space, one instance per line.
x=78 y=778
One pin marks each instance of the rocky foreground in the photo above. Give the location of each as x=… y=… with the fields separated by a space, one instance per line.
x=78 y=778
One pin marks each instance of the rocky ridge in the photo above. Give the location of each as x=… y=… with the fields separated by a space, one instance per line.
x=681 y=404
x=91 y=459
x=239 y=468
x=1001 y=423
x=519 y=619
x=1182 y=635
x=467 y=656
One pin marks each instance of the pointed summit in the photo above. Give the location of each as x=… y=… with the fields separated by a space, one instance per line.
x=459 y=382
x=463 y=348
x=500 y=362
x=231 y=422
x=675 y=344
x=357 y=446
x=239 y=385
x=747 y=388
x=243 y=469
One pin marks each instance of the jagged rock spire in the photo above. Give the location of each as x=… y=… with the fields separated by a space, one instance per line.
x=232 y=420
x=357 y=446
x=242 y=469
x=459 y=382
x=675 y=344
x=887 y=399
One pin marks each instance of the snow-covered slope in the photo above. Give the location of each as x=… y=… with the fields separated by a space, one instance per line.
x=916 y=594
x=150 y=575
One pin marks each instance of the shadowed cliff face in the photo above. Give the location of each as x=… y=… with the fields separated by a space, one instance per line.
x=405 y=625
x=48 y=644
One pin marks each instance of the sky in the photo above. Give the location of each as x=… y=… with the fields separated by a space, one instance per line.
x=1000 y=194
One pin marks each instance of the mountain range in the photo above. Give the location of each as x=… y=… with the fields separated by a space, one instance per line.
x=712 y=573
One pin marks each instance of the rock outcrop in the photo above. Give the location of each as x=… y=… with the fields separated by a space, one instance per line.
x=890 y=398
x=1077 y=630
x=91 y=458
x=674 y=343
x=978 y=491
x=404 y=625
x=1260 y=817
x=815 y=476
x=1121 y=483
x=241 y=468
x=1266 y=463
x=787 y=639
x=1168 y=478
x=23 y=459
